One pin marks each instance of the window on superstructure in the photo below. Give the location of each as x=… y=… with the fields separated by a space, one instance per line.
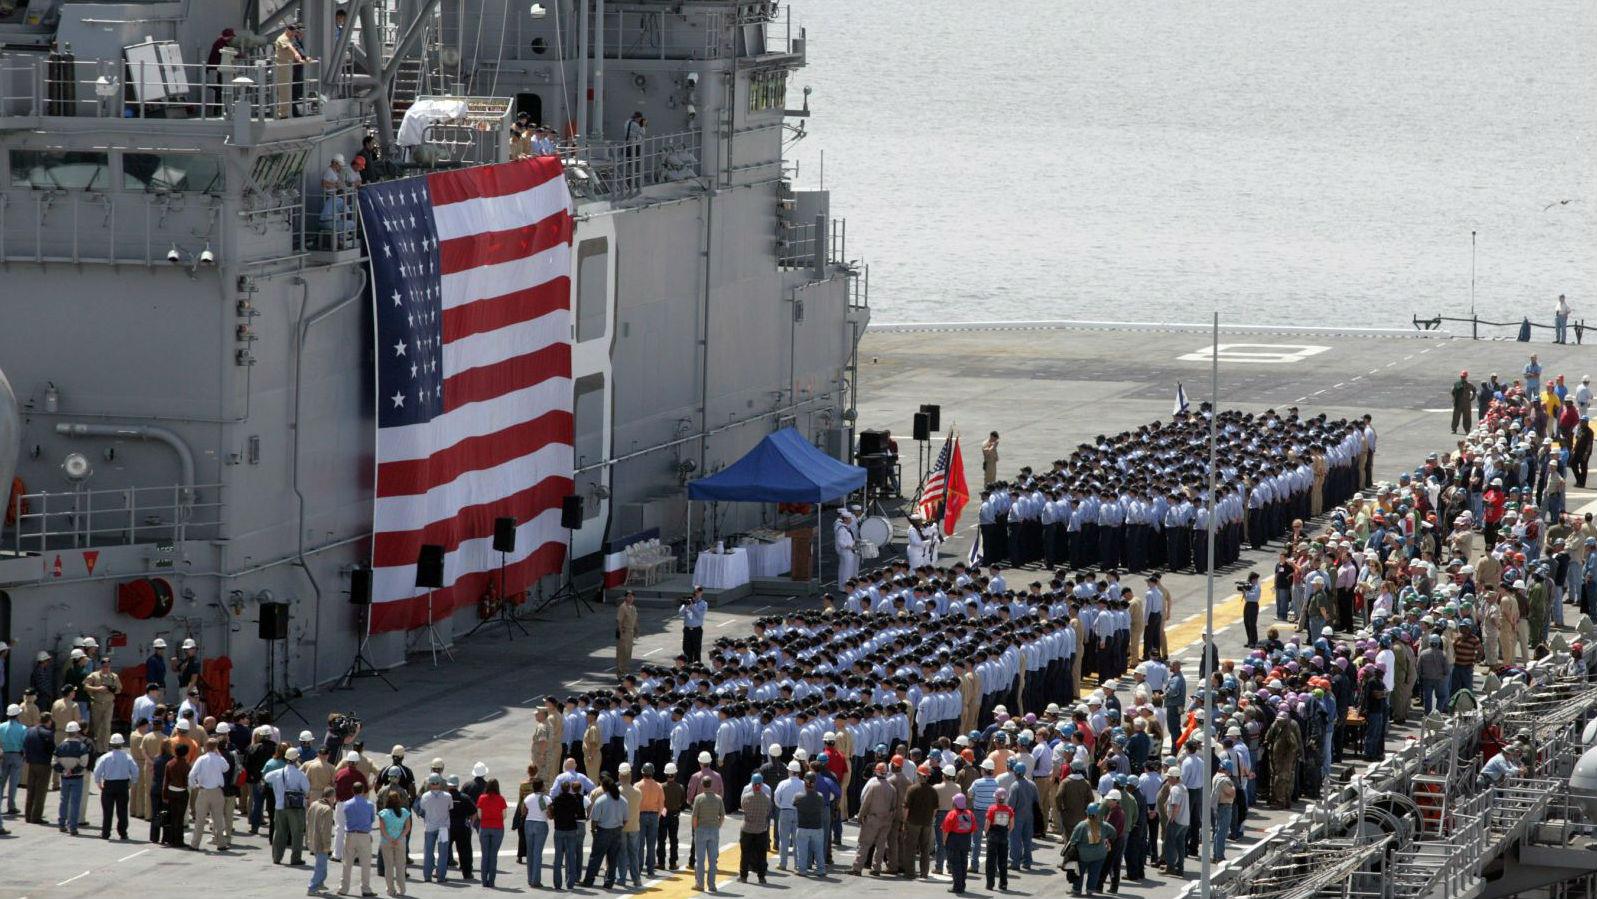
x=163 y=172
x=60 y=170
x=767 y=90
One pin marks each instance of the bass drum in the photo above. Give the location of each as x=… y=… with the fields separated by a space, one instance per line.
x=877 y=530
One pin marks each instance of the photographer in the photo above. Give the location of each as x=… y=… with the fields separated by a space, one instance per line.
x=693 y=609
x=1250 y=607
x=341 y=728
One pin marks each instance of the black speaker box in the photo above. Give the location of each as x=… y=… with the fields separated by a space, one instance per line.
x=934 y=416
x=505 y=534
x=923 y=426
x=430 y=566
x=360 y=586
x=274 y=621
x=571 y=512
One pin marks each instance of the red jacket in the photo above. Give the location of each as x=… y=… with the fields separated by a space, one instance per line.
x=1495 y=500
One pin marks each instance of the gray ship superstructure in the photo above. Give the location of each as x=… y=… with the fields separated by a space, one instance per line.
x=184 y=324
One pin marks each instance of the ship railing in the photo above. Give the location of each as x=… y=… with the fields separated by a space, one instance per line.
x=1522 y=330
x=621 y=168
x=798 y=243
x=469 y=143
x=99 y=225
x=329 y=221
x=257 y=90
x=48 y=521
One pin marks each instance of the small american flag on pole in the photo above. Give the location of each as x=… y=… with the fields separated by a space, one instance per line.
x=472 y=306
x=945 y=493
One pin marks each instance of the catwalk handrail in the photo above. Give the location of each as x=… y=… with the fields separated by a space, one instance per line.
x=1476 y=322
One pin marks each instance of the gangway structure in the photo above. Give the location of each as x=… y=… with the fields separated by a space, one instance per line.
x=1424 y=824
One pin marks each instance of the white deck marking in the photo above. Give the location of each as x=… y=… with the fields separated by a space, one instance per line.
x=134 y=855
x=70 y=879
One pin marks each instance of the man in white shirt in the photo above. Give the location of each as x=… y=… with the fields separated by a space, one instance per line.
x=205 y=780
x=434 y=807
x=786 y=813
x=114 y=775
x=1178 y=817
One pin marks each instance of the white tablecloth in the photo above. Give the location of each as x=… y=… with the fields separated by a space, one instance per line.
x=770 y=559
x=720 y=571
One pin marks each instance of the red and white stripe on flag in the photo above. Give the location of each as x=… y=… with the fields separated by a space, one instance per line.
x=471 y=282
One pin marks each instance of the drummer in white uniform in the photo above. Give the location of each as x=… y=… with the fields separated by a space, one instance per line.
x=847 y=550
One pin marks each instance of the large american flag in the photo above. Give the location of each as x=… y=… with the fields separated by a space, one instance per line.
x=944 y=494
x=472 y=298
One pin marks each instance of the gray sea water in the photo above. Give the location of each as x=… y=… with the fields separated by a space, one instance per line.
x=1311 y=162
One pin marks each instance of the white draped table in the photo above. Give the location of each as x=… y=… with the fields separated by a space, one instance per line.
x=722 y=571
x=770 y=559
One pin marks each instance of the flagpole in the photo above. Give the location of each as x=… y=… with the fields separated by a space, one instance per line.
x=1205 y=833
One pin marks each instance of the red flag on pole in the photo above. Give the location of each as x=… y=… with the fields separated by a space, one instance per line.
x=944 y=494
x=958 y=492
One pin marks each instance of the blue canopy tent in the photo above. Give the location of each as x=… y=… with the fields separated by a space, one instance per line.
x=783 y=468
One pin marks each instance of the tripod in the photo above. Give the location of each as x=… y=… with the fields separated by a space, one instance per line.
x=435 y=641
x=362 y=666
x=275 y=698
x=567 y=590
x=506 y=614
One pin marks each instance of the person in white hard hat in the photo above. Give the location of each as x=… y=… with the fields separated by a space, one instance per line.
x=115 y=774
x=155 y=664
x=12 y=733
x=42 y=677
x=344 y=781
x=72 y=756
x=187 y=665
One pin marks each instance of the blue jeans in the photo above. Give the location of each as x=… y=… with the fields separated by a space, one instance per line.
x=607 y=849
x=706 y=852
x=1463 y=679
x=1283 y=602
x=1020 y=845
x=811 y=850
x=1175 y=848
x=786 y=828
x=1222 y=828
x=490 y=839
x=632 y=856
x=1091 y=876
x=435 y=854
x=319 y=871
x=649 y=825
x=537 y=834
x=1375 y=735
x=10 y=776
x=1433 y=695
x=939 y=843
x=568 y=858
x=258 y=797
x=1560 y=327
x=71 y=790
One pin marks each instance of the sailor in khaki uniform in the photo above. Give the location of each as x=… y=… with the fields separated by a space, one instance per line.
x=102 y=685
x=626 y=632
